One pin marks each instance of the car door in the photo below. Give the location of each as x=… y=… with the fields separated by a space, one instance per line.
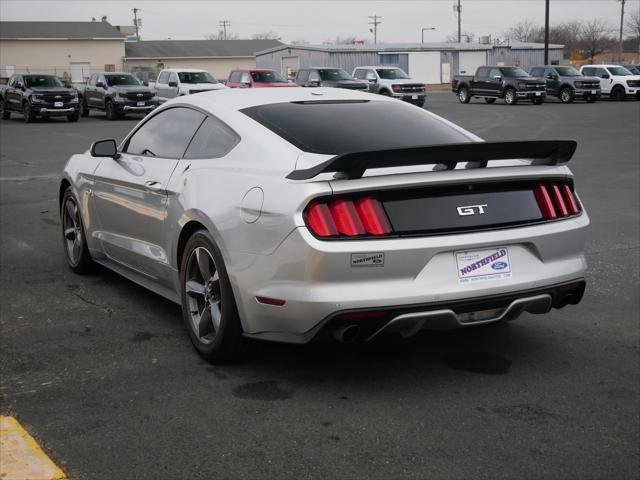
x=245 y=80
x=161 y=86
x=313 y=80
x=493 y=84
x=552 y=80
x=372 y=79
x=13 y=94
x=99 y=92
x=173 y=85
x=131 y=192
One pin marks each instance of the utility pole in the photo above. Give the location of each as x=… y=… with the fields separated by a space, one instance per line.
x=224 y=24
x=458 y=9
x=135 y=22
x=546 y=32
x=375 y=22
x=620 y=54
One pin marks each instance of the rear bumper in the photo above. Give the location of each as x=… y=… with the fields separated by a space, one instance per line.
x=317 y=279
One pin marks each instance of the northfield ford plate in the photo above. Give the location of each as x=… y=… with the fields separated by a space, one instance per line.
x=483 y=265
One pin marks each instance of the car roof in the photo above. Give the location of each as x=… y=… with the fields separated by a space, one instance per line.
x=177 y=70
x=253 y=70
x=237 y=99
x=385 y=67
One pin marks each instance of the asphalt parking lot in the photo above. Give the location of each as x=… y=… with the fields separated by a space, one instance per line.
x=102 y=374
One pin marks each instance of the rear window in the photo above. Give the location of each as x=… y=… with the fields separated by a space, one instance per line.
x=333 y=128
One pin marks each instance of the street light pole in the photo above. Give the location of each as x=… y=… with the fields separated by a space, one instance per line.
x=426 y=28
x=546 y=32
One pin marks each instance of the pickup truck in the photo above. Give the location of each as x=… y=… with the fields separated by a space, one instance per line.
x=116 y=94
x=617 y=82
x=510 y=83
x=392 y=82
x=176 y=82
x=329 y=77
x=33 y=95
x=567 y=83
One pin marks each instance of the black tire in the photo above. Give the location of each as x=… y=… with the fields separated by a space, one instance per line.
x=6 y=114
x=489 y=100
x=84 y=108
x=590 y=99
x=110 y=109
x=73 y=236
x=419 y=104
x=566 y=95
x=463 y=95
x=73 y=117
x=510 y=96
x=385 y=92
x=618 y=93
x=538 y=101
x=27 y=113
x=216 y=344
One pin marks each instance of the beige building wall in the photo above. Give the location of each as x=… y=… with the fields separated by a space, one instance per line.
x=57 y=56
x=218 y=67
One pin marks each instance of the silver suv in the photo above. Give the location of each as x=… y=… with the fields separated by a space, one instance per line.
x=392 y=82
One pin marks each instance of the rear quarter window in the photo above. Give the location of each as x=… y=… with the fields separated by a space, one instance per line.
x=333 y=128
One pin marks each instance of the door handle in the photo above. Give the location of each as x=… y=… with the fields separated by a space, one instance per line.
x=153 y=186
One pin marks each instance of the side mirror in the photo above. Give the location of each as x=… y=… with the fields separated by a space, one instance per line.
x=19 y=86
x=145 y=83
x=105 y=148
x=173 y=84
x=372 y=80
x=314 y=83
x=606 y=75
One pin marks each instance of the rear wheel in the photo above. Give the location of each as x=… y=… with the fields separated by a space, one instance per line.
x=463 y=95
x=208 y=305
x=566 y=95
x=618 y=93
x=489 y=99
x=27 y=113
x=73 y=236
x=6 y=114
x=510 y=97
x=110 y=108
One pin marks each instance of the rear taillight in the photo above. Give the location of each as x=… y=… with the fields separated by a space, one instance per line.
x=555 y=200
x=359 y=217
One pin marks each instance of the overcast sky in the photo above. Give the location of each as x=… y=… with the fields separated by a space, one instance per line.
x=315 y=21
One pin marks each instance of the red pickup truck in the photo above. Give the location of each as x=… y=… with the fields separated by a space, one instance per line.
x=257 y=78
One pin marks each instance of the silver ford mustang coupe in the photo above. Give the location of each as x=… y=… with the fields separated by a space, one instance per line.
x=301 y=214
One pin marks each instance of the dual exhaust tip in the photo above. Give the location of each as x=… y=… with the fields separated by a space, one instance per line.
x=347 y=333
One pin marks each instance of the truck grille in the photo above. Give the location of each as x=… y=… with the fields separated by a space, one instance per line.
x=633 y=83
x=409 y=88
x=139 y=96
x=55 y=97
x=536 y=86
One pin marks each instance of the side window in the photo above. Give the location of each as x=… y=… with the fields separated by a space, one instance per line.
x=244 y=78
x=163 y=78
x=482 y=73
x=314 y=76
x=102 y=79
x=549 y=72
x=92 y=80
x=359 y=74
x=213 y=139
x=370 y=75
x=587 y=71
x=173 y=77
x=234 y=77
x=303 y=76
x=536 y=72
x=495 y=72
x=167 y=134
x=601 y=72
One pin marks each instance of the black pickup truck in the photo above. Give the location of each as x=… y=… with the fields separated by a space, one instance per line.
x=116 y=94
x=510 y=83
x=33 y=95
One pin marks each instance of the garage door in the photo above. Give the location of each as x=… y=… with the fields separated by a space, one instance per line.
x=80 y=72
x=290 y=66
x=470 y=61
x=425 y=66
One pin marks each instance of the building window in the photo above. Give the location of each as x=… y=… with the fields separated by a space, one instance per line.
x=389 y=59
x=110 y=67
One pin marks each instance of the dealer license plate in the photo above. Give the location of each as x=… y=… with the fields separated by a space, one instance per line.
x=414 y=97
x=483 y=265
x=141 y=104
x=58 y=104
x=593 y=92
x=538 y=94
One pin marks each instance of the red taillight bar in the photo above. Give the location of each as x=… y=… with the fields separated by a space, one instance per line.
x=555 y=200
x=559 y=201
x=570 y=200
x=348 y=218
x=544 y=202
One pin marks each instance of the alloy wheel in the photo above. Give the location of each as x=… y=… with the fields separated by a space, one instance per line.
x=204 y=298
x=72 y=230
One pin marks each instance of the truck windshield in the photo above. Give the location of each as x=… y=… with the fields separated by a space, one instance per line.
x=619 y=71
x=31 y=81
x=391 y=73
x=114 y=80
x=196 y=77
x=568 y=72
x=333 y=74
x=268 y=77
x=513 y=72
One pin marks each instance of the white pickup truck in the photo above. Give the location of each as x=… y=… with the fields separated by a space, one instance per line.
x=175 y=82
x=392 y=82
x=615 y=81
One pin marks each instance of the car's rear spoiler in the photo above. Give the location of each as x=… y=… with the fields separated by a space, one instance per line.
x=353 y=165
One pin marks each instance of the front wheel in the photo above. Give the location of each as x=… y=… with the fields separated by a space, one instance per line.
x=489 y=100
x=6 y=114
x=208 y=305
x=566 y=95
x=618 y=93
x=510 y=97
x=112 y=112
x=73 y=236
x=27 y=113
x=463 y=95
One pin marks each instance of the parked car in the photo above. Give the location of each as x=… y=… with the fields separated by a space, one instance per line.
x=34 y=95
x=392 y=82
x=176 y=82
x=511 y=83
x=633 y=68
x=116 y=94
x=567 y=83
x=296 y=214
x=257 y=78
x=328 y=77
x=615 y=81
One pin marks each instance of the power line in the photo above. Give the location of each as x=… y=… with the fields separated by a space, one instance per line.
x=375 y=24
x=224 y=24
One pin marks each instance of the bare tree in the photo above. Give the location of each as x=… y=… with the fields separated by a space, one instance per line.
x=595 y=37
x=220 y=36
x=464 y=36
x=525 y=31
x=633 y=28
x=567 y=34
x=347 y=40
x=270 y=35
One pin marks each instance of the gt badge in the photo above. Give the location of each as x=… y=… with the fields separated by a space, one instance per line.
x=471 y=210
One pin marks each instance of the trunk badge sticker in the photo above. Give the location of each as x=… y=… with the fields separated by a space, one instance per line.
x=367 y=259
